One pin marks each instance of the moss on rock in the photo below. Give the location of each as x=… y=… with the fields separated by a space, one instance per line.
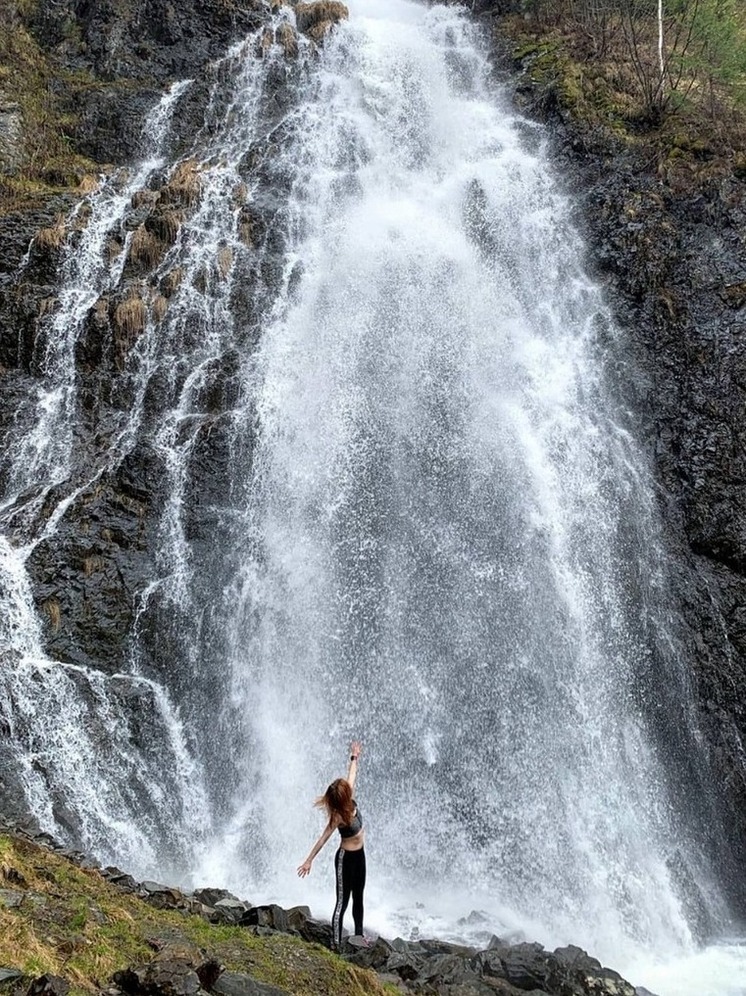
x=59 y=918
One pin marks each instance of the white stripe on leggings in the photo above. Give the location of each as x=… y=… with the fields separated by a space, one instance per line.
x=337 y=917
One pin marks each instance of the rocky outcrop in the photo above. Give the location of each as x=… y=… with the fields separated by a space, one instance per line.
x=178 y=967
x=317 y=18
x=664 y=238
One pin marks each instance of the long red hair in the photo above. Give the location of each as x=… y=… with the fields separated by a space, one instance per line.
x=337 y=801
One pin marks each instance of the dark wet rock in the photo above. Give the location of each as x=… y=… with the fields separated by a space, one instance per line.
x=165 y=978
x=525 y=966
x=266 y=916
x=449 y=969
x=405 y=964
x=239 y=984
x=121 y=879
x=13 y=876
x=315 y=932
x=212 y=896
x=9 y=977
x=228 y=911
x=209 y=972
x=162 y=897
x=48 y=985
x=376 y=956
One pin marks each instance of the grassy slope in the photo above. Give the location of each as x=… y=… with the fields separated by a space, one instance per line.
x=73 y=923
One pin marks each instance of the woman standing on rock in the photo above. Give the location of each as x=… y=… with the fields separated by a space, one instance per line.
x=349 y=861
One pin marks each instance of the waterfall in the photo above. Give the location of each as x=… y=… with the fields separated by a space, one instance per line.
x=402 y=499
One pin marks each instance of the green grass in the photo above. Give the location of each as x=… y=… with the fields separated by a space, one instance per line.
x=75 y=924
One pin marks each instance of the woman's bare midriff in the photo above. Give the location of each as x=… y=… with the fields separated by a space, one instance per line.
x=353 y=843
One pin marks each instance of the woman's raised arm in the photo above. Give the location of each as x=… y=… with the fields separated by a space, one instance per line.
x=355 y=748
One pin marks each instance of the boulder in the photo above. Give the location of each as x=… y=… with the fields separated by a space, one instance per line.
x=315 y=932
x=211 y=897
x=228 y=910
x=376 y=956
x=526 y=966
x=48 y=985
x=239 y=984
x=159 y=978
x=162 y=897
x=266 y=916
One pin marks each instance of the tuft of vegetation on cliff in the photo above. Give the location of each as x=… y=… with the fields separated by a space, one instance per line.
x=60 y=919
x=39 y=96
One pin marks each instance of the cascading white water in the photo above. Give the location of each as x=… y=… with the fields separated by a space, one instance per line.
x=70 y=728
x=443 y=538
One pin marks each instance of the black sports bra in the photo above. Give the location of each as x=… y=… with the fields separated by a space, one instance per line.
x=355 y=825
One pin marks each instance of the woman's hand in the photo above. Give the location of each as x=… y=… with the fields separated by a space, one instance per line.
x=355 y=748
x=305 y=868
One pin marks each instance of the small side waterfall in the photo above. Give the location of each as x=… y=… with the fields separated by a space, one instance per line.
x=69 y=729
x=400 y=496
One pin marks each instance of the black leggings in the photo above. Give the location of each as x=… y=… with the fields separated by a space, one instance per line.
x=350 y=874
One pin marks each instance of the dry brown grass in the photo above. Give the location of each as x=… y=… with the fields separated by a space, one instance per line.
x=287 y=39
x=145 y=249
x=265 y=42
x=51 y=609
x=317 y=31
x=184 y=186
x=47 y=305
x=101 y=312
x=52 y=238
x=130 y=317
x=166 y=223
x=246 y=228
x=225 y=261
x=172 y=281
x=158 y=307
x=113 y=249
x=92 y=564
x=307 y=15
x=145 y=196
x=89 y=184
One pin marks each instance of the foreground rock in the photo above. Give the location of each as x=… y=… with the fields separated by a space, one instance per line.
x=189 y=960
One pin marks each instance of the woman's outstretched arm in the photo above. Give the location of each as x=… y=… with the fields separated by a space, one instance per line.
x=305 y=868
x=355 y=748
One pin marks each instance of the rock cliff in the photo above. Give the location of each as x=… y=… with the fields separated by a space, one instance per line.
x=664 y=238
x=662 y=211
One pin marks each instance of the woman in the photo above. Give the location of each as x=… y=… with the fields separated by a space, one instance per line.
x=349 y=861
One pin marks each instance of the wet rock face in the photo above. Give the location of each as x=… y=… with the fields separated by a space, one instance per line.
x=666 y=243
x=139 y=39
x=133 y=49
